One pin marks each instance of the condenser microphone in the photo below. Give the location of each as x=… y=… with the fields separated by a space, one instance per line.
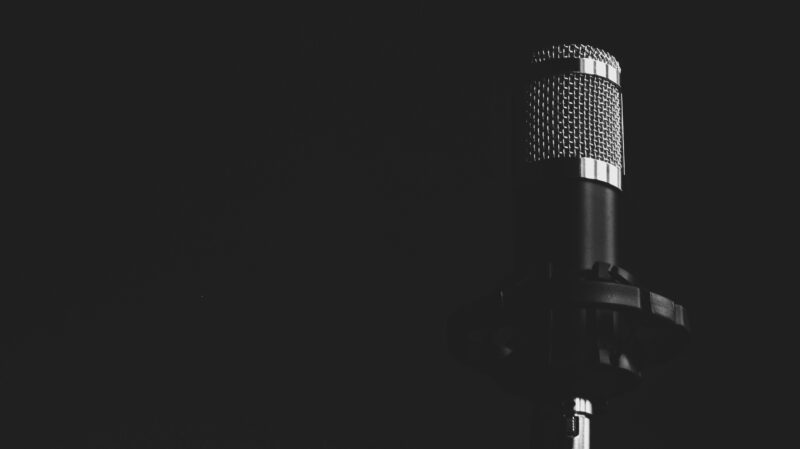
x=571 y=328
x=568 y=171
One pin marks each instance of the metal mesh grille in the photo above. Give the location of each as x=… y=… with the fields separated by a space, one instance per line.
x=574 y=51
x=573 y=115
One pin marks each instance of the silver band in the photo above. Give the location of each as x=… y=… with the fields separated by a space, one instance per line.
x=580 y=415
x=580 y=405
x=577 y=167
x=599 y=68
x=600 y=171
x=588 y=66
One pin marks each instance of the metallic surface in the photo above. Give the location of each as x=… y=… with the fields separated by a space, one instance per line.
x=579 y=421
x=572 y=51
x=600 y=171
x=578 y=65
x=573 y=110
x=583 y=167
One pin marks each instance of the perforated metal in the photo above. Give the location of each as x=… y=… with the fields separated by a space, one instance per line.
x=574 y=115
x=572 y=51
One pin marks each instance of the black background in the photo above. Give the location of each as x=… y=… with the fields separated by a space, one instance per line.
x=246 y=229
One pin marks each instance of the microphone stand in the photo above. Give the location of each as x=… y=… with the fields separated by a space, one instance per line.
x=567 y=428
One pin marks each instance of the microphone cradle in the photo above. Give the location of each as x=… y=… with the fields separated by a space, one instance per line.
x=559 y=339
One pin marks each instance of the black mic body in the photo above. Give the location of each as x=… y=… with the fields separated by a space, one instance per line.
x=570 y=329
x=567 y=224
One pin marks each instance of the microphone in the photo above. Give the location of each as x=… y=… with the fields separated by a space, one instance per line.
x=571 y=328
x=568 y=174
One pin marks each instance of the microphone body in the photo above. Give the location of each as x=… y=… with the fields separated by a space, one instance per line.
x=569 y=223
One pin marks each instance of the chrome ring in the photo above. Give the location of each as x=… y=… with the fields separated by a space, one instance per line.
x=588 y=66
x=600 y=171
x=577 y=167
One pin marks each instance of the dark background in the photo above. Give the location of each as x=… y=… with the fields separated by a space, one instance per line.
x=246 y=229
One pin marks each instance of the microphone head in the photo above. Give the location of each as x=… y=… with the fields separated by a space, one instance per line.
x=573 y=111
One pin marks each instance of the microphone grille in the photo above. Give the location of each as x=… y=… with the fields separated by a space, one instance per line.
x=571 y=111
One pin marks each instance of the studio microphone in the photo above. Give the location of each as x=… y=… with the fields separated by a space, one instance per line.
x=571 y=327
